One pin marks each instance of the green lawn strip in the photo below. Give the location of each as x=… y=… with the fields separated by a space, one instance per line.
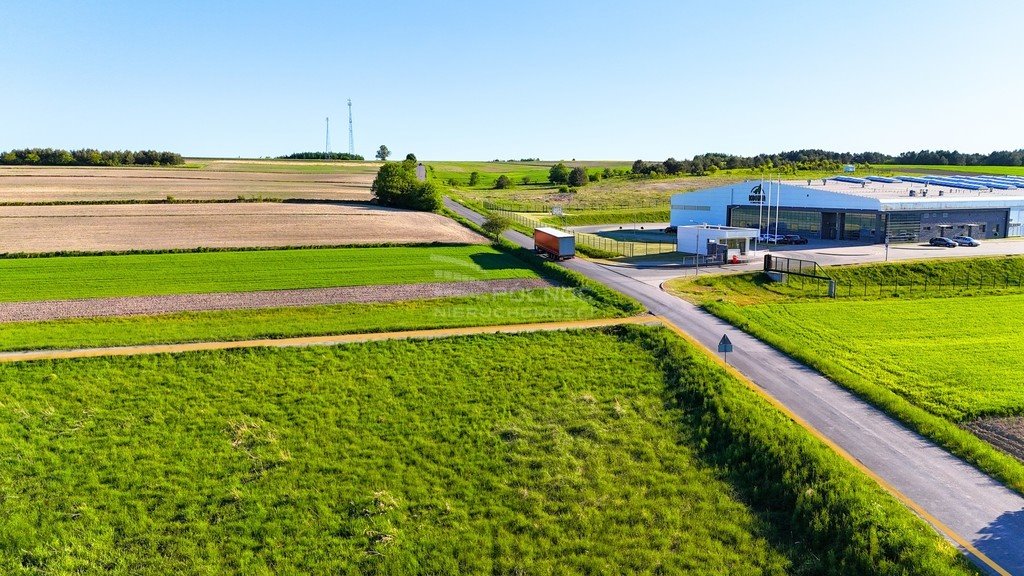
x=198 y=272
x=488 y=454
x=526 y=306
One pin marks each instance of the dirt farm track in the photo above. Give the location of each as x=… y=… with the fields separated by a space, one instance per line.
x=118 y=227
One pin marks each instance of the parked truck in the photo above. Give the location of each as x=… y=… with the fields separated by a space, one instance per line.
x=556 y=244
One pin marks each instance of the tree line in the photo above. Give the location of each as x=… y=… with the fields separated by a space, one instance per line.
x=321 y=156
x=89 y=157
x=814 y=159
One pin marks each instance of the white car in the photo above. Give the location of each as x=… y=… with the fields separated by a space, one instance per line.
x=769 y=238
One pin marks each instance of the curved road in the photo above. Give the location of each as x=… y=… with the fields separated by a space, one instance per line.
x=978 y=513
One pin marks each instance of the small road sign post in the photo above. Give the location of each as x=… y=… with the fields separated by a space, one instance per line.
x=725 y=346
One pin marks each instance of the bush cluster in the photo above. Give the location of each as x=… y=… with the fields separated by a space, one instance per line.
x=396 y=185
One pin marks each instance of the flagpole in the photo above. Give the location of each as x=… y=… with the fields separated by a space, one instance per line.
x=760 y=209
x=778 y=202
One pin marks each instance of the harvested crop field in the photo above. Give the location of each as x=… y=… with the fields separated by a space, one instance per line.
x=121 y=227
x=163 y=304
x=1004 y=433
x=220 y=181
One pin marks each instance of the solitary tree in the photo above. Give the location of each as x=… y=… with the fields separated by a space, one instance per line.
x=578 y=176
x=410 y=156
x=383 y=153
x=474 y=178
x=495 y=225
x=503 y=182
x=559 y=174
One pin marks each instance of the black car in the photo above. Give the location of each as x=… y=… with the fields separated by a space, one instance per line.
x=793 y=239
x=944 y=242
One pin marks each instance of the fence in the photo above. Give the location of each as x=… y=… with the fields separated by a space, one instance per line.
x=627 y=249
x=794 y=266
x=913 y=285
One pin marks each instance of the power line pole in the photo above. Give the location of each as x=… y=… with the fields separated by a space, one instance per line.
x=327 y=140
x=351 y=139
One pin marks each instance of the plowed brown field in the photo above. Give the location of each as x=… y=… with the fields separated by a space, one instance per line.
x=221 y=180
x=181 y=226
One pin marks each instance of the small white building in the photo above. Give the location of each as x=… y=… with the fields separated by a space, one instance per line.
x=705 y=239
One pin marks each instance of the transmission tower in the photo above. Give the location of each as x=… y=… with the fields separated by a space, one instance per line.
x=351 y=139
x=327 y=140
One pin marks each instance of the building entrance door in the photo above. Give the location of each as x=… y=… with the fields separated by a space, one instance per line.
x=829 y=225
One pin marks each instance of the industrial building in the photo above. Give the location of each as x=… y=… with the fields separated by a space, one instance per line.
x=869 y=209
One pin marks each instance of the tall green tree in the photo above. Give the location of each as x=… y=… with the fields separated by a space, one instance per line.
x=578 y=176
x=558 y=174
x=396 y=186
x=383 y=153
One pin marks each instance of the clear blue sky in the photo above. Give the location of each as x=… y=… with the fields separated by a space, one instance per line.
x=483 y=80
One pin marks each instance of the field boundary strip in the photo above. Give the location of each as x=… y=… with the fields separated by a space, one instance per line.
x=906 y=500
x=329 y=340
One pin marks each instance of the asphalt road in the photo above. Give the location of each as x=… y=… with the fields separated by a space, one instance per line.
x=976 y=508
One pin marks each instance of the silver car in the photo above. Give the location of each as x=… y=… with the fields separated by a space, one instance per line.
x=966 y=241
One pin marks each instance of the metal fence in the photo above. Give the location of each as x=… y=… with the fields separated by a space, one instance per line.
x=794 y=266
x=610 y=245
x=909 y=285
x=924 y=284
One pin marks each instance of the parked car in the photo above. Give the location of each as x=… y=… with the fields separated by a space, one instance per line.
x=769 y=238
x=966 y=241
x=793 y=239
x=671 y=230
x=942 y=241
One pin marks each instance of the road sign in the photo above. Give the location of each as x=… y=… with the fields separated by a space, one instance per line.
x=725 y=346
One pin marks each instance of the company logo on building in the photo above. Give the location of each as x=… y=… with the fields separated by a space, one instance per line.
x=756 y=195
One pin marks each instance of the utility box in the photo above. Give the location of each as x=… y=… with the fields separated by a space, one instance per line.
x=556 y=244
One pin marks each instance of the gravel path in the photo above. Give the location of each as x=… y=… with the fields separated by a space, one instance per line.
x=132 y=305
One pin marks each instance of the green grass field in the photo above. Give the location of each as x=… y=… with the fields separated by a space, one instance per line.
x=280 y=166
x=542 y=305
x=934 y=355
x=591 y=217
x=199 y=272
x=955 y=357
x=465 y=455
x=1006 y=170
